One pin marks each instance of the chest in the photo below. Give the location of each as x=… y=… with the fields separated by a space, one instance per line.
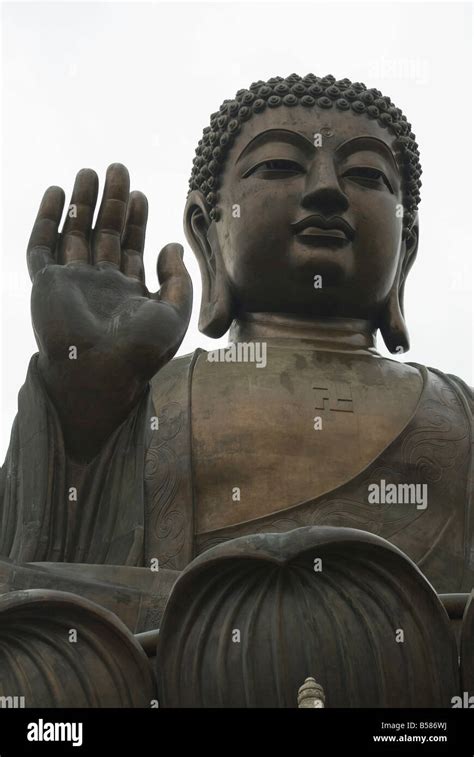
x=266 y=439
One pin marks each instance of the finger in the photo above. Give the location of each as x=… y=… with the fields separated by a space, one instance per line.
x=74 y=244
x=108 y=229
x=176 y=287
x=44 y=236
x=133 y=238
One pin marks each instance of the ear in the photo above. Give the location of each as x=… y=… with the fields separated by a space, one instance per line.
x=392 y=323
x=217 y=310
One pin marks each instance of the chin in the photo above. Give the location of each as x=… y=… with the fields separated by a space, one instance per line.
x=333 y=265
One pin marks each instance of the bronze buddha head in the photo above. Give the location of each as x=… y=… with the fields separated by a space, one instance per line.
x=303 y=200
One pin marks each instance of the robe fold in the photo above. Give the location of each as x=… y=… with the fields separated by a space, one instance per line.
x=137 y=498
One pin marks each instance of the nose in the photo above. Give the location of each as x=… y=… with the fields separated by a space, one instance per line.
x=322 y=191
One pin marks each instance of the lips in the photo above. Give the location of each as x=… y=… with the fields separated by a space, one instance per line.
x=317 y=229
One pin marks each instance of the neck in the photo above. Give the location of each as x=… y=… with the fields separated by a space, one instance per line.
x=328 y=334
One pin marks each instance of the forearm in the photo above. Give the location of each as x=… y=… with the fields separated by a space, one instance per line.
x=90 y=406
x=58 y=510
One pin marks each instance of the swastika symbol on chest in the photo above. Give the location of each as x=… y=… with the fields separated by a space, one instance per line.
x=337 y=397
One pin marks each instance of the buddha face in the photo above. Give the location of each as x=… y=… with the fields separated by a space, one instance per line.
x=311 y=215
x=318 y=194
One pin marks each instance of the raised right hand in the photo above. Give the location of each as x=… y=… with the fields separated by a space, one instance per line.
x=101 y=334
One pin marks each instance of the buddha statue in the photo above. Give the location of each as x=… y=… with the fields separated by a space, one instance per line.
x=127 y=467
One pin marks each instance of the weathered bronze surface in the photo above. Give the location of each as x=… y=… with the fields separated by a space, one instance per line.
x=60 y=650
x=126 y=467
x=254 y=611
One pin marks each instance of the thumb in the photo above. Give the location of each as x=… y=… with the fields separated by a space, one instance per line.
x=176 y=287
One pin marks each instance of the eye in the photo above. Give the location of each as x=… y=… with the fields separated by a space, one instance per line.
x=275 y=169
x=368 y=177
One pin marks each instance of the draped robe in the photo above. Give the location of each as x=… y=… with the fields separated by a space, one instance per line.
x=163 y=490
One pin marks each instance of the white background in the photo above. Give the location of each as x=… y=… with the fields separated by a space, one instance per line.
x=87 y=84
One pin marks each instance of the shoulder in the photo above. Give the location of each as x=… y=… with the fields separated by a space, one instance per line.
x=449 y=386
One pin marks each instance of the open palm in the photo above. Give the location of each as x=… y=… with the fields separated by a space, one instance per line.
x=101 y=334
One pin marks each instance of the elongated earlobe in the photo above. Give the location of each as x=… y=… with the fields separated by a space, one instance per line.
x=217 y=309
x=392 y=325
x=392 y=322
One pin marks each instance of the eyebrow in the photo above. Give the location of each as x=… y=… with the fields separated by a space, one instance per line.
x=278 y=135
x=367 y=142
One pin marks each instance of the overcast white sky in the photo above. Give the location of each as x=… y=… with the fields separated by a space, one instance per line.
x=86 y=84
